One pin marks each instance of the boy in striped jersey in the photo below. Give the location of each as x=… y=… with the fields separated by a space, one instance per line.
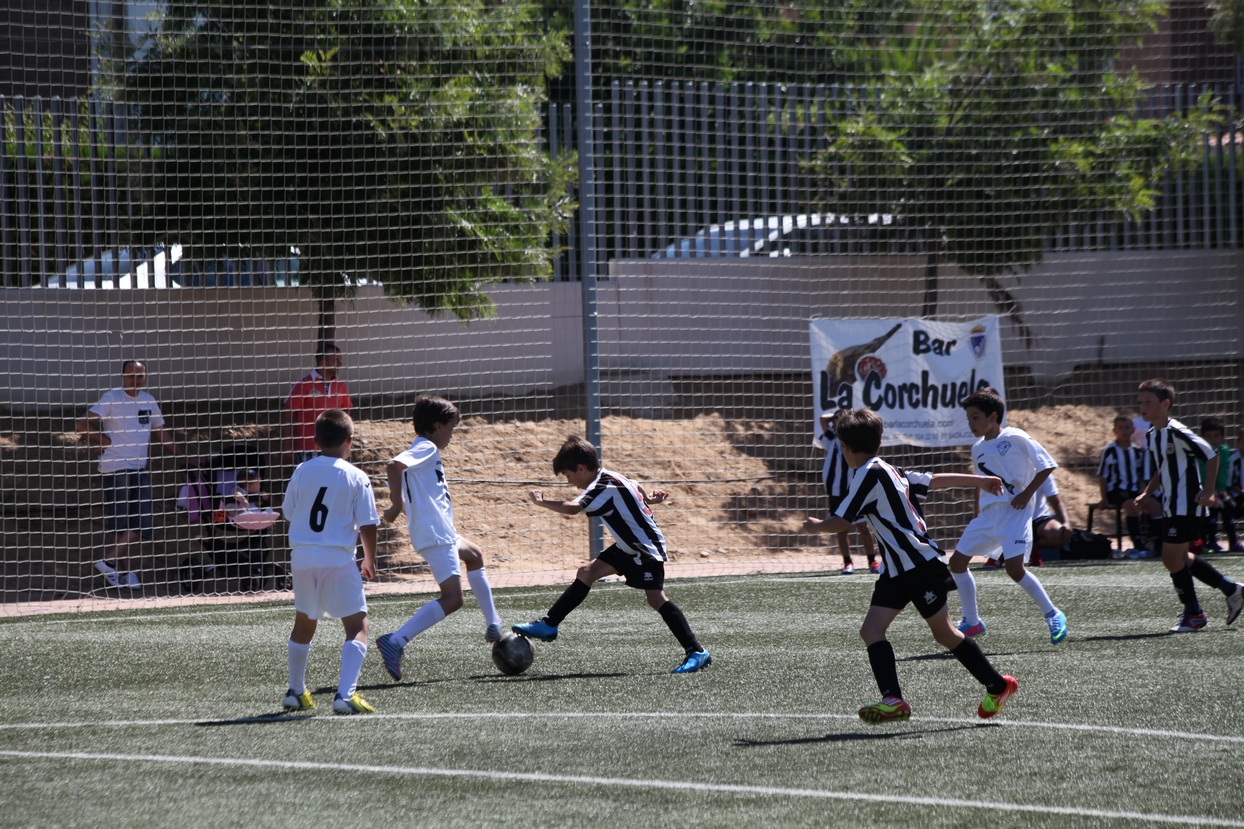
x=1174 y=451
x=1121 y=476
x=915 y=569
x=638 y=554
x=835 y=474
x=1002 y=528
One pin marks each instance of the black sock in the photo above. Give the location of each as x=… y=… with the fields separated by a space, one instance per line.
x=1133 y=530
x=567 y=601
x=973 y=658
x=1202 y=570
x=677 y=623
x=1186 y=590
x=885 y=668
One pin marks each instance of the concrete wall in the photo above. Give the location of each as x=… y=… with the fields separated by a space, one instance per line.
x=742 y=316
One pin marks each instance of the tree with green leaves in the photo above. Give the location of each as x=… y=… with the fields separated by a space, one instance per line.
x=386 y=141
x=992 y=124
x=1227 y=23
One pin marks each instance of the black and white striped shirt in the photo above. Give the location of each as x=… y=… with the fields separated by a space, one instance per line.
x=1123 y=468
x=835 y=474
x=887 y=499
x=616 y=500
x=1174 y=451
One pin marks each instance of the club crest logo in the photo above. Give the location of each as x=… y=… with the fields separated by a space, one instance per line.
x=978 y=341
x=1004 y=447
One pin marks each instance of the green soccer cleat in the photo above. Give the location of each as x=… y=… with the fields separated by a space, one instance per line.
x=890 y=709
x=992 y=703
x=298 y=702
x=354 y=705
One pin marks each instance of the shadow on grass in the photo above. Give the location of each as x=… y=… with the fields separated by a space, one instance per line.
x=1127 y=637
x=259 y=719
x=856 y=736
x=543 y=677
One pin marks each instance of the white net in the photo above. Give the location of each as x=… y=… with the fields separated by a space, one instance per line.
x=219 y=190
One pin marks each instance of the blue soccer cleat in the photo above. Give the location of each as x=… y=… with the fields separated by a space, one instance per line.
x=390 y=655
x=694 y=662
x=972 y=631
x=539 y=629
x=1057 y=621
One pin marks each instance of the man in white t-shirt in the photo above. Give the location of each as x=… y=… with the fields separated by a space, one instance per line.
x=330 y=508
x=123 y=423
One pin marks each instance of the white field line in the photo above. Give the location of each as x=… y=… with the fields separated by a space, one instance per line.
x=636 y=715
x=629 y=783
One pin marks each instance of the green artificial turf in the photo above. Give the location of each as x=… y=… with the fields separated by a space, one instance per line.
x=172 y=718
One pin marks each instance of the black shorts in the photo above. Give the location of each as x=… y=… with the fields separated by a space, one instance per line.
x=926 y=588
x=649 y=574
x=1182 y=529
x=1038 y=523
x=1117 y=497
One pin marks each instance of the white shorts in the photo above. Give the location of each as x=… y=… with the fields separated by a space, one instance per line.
x=329 y=592
x=443 y=560
x=999 y=532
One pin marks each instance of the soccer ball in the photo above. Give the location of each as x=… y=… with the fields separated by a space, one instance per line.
x=512 y=654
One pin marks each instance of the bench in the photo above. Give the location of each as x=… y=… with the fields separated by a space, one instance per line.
x=1118 y=520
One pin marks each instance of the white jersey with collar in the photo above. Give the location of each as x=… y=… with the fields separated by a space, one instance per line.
x=326 y=502
x=1015 y=457
x=128 y=423
x=429 y=510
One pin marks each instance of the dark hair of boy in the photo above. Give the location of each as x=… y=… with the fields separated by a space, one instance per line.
x=430 y=411
x=576 y=451
x=1160 y=389
x=987 y=401
x=860 y=430
x=1213 y=424
x=333 y=428
x=323 y=351
x=1122 y=419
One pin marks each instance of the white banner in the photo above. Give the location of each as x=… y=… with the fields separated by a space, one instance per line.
x=914 y=373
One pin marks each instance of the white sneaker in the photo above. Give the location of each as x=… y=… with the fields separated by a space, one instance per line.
x=109 y=572
x=131 y=581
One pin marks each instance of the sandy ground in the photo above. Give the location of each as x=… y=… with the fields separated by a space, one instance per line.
x=739 y=491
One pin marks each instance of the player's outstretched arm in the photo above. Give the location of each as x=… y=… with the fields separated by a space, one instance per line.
x=394 y=472
x=959 y=480
x=657 y=496
x=1025 y=495
x=562 y=507
x=830 y=524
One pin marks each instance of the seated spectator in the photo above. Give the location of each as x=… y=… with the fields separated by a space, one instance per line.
x=1051 y=528
x=1214 y=431
x=1121 y=475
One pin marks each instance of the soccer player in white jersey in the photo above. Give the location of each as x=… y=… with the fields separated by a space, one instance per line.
x=330 y=507
x=1002 y=528
x=417 y=485
x=639 y=552
x=1173 y=451
x=915 y=569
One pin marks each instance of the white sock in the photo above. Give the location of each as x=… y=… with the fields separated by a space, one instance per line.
x=1036 y=592
x=297 y=656
x=352 y=654
x=424 y=618
x=483 y=594
x=967 y=596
